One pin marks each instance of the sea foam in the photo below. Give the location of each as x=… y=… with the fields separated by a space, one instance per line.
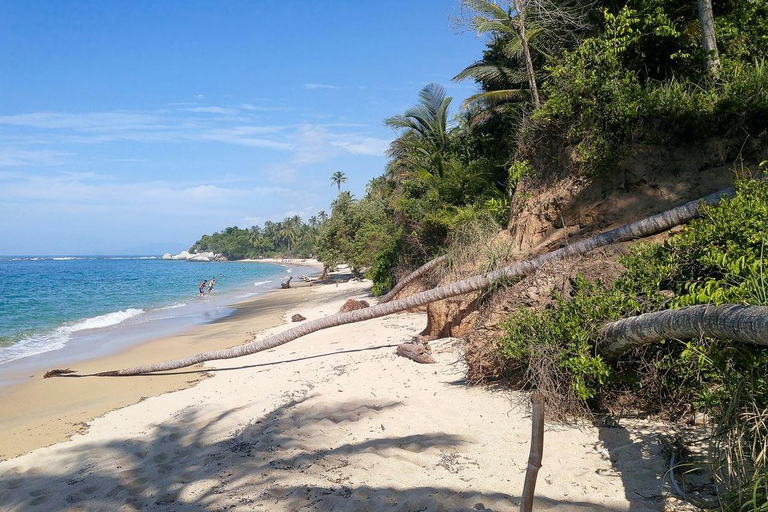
x=57 y=338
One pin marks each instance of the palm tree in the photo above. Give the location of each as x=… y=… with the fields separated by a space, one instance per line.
x=708 y=40
x=313 y=222
x=289 y=230
x=338 y=178
x=412 y=277
x=322 y=216
x=422 y=135
x=747 y=324
x=642 y=228
x=509 y=23
x=524 y=28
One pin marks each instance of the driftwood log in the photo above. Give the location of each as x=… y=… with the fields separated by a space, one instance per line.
x=639 y=229
x=418 y=351
x=286 y=284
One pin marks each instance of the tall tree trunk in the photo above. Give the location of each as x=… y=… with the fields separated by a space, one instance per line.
x=642 y=228
x=411 y=277
x=708 y=40
x=520 y=8
x=746 y=324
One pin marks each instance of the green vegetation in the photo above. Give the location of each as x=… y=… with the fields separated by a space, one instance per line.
x=290 y=237
x=716 y=259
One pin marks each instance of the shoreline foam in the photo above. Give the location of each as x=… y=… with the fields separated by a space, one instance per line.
x=70 y=341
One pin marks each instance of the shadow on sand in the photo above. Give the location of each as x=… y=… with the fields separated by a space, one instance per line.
x=272 y=463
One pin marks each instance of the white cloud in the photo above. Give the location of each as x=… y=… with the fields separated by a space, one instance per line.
x=362 y=145
x=211 y=110
x=320 y=86
x=199 y=96
x=11 y=157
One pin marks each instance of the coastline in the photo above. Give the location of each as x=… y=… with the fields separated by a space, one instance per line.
x=333 y=421
x=37 y=412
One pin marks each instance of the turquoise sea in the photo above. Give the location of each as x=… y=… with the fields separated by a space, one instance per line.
x=87 y=304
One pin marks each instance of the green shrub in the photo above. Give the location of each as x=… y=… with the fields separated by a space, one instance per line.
x=566 y=331
x=718 y=258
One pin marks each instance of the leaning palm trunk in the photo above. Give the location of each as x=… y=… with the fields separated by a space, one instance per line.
x=708 y=39
x=746 y=324
x=651 y=225
x=411 y=277
x=527 y=53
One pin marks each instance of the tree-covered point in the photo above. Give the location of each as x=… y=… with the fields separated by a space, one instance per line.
x=291 y=237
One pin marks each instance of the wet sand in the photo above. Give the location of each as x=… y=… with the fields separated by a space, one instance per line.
x=39 y=412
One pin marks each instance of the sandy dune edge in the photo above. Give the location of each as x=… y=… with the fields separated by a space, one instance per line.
x=334 y=421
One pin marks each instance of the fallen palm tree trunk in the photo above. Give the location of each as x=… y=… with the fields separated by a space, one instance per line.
x=746 y=324
x=649 y=226
x=411 y=278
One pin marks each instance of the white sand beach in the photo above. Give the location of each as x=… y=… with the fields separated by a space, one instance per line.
x=333 y=421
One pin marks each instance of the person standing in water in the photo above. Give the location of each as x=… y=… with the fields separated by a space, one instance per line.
x=202 y=287
x=210 y=284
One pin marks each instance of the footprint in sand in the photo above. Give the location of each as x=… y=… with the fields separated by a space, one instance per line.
x=39 y=500
x=115 y=491
x=14 y=484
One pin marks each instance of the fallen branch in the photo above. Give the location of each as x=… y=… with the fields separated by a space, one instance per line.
x=649 y=226
x=746 y=324
x=412 y=277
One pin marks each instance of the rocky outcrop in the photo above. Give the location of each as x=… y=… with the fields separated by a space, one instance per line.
x=352 y=305
x=198 y=256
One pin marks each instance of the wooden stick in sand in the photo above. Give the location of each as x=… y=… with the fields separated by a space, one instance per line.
x=536 y=454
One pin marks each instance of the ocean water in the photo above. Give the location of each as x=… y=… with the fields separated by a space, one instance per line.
x=49 y=304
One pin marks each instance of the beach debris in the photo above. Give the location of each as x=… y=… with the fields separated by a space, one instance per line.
x=416 y=350
x=58 y=372
x=286 y=284
x=298 y=318
x=352 y=305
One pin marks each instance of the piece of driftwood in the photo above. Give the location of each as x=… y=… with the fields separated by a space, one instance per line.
x=536 y=453
x=298 y=318
x=416 y=351
x=286 y=284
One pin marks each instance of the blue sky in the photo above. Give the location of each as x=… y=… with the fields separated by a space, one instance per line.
x=135 y=127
